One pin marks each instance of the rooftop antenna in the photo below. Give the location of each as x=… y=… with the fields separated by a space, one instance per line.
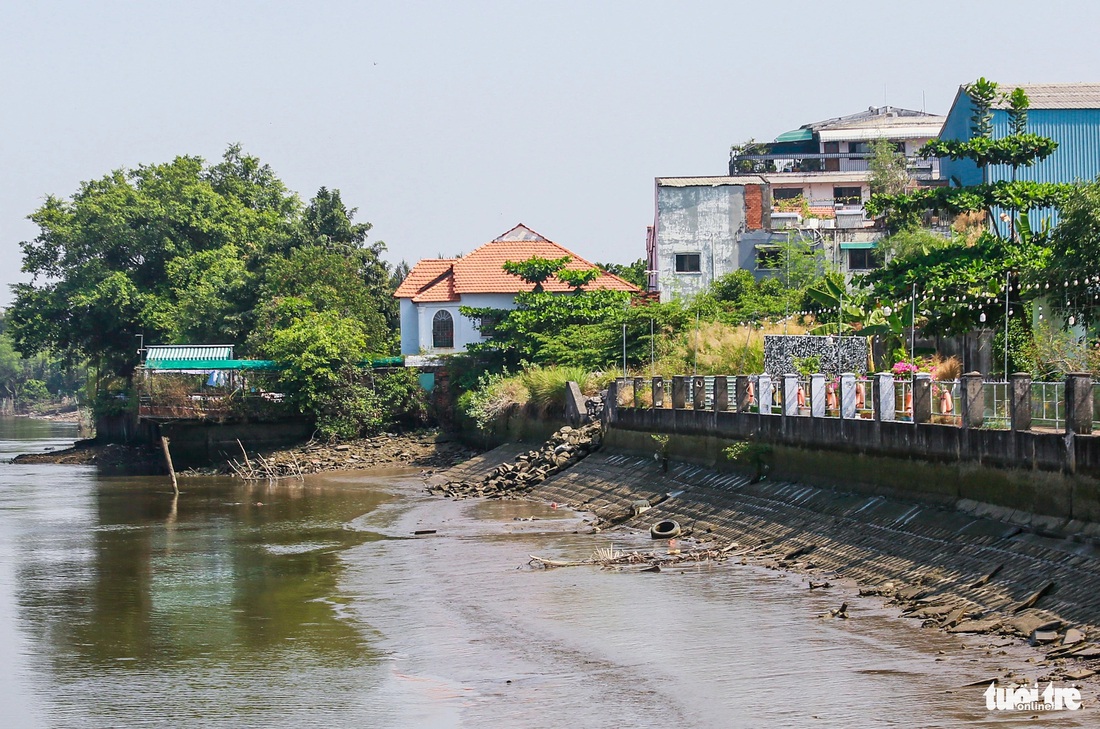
x=884 y=94
x=922 y=105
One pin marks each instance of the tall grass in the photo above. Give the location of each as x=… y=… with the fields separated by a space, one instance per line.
x=542 y=388
x=546 y=385
x=717 y=348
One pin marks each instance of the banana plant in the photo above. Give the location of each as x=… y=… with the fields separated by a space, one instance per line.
x=857 y=313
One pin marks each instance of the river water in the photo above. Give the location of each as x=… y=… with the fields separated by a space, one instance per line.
x=313 y=604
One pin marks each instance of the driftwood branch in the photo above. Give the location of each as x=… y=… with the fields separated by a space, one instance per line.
x=650 y=559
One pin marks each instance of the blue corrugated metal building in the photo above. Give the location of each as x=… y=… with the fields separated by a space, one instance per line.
x=1067 y=113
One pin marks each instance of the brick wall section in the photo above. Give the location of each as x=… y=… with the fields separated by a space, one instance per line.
x=754 y=207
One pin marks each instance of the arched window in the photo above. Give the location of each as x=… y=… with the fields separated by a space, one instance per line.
x=443 y=330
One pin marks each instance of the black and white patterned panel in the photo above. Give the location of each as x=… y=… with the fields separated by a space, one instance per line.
x=781 y=350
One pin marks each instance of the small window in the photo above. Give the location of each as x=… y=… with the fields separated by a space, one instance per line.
x=859 y=148
x=862 y=259
x=487 y=325
x=786 y=193
x=848 y=195
x=768 y=258
x=687 y=263
x=443 y=330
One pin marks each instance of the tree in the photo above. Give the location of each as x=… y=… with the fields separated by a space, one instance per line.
x=320 y=353
x=959 y=282
x=1018 y=149
x=328 y=223
x=536 y=270
x=634 y=273
x=100 y=262
x=888 y=172
x=310 y=280
x=578 y=279
x=1070 y=280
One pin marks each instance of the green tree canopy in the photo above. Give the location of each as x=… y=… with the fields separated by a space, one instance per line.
x=536 y=270
x=634 y=273
x=100 y=262
x=1070 y=278
x=190 y=252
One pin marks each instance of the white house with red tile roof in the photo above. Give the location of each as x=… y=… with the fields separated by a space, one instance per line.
x=436 y=287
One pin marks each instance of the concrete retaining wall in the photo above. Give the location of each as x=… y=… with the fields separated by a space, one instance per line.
x=1050 y=474
x=195 y=444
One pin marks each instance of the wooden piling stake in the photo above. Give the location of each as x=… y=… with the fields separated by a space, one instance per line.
x=171 y=468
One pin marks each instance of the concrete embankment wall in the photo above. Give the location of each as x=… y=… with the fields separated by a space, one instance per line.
x=1048 y=474
x=516 y=424
x=196 y=444
x=935 y=550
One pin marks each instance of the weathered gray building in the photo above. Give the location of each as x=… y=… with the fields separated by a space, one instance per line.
x=707 y=227
x=704 y=228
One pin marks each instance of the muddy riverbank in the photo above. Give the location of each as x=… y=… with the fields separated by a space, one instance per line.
x=950 y=572
x=428 y=449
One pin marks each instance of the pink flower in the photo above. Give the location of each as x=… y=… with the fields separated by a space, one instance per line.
x=905 y=368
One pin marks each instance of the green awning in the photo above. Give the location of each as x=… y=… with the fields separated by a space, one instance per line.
x=796 y=135
x=179 y=365
x=856 y=246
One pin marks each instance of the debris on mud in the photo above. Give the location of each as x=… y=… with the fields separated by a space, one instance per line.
x=564 y=448
x=614 y=558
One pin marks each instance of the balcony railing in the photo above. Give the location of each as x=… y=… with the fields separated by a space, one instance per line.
x=813 y=163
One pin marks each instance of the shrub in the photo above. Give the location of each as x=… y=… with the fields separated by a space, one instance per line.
x=546 y=385
x=402 y=399
x=33 y=391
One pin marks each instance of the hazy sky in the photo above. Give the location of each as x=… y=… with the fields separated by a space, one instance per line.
x=447 y=123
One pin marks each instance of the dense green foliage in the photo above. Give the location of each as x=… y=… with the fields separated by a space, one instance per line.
x=536 y=270
x=1018 y=149
x=186 y=252
x=27 y=381
x=1070 y=278
x=577 y=329
x=632 y=272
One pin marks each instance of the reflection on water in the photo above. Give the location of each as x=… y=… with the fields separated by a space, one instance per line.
x=134 y=606
x=312 y=605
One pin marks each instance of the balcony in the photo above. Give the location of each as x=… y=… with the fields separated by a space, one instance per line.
x=815 y=163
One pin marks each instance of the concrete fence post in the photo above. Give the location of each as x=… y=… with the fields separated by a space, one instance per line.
x=679 y=392
x=1079 y=403
x=973 y=399
x=848 y=396
x=611 y=405
x=639 y=391
x=764 y=394
x=741 y=392
x=817 y=396
x=790 y=395
x=699 y=393
x=659 y=392
x=1019 y=401
x=721 y=393
x=922 y=397
x=884 y=398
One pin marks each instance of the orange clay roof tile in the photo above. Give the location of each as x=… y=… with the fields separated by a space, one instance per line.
x=425 y=272
x=482 y=272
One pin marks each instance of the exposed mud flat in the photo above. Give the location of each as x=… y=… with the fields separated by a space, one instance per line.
x=424 y=449
x=949 y=571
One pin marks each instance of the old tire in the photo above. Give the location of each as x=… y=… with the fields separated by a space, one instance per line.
x=667 y=529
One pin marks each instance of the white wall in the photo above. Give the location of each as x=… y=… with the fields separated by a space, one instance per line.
x=416 y=322
x=410 y=332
